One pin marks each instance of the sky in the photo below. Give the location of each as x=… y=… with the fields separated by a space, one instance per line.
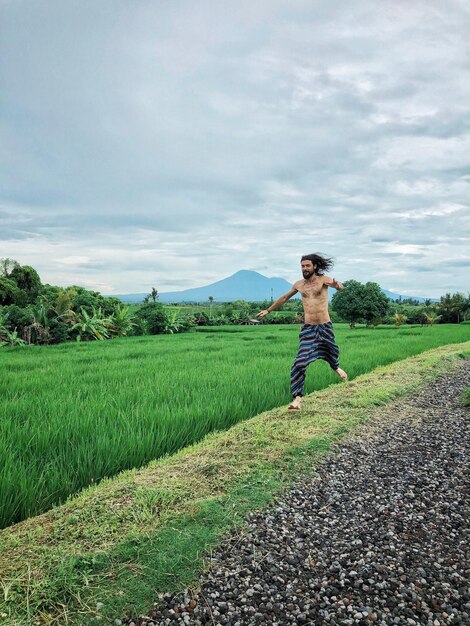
x=170 y=144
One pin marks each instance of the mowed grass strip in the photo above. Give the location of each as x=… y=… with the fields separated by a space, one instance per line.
x=118 y=544
x=73 y=414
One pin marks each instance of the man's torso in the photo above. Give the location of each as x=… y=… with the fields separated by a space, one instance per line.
x=314 y=294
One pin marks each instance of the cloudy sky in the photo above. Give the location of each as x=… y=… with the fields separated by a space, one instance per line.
x=170 y=144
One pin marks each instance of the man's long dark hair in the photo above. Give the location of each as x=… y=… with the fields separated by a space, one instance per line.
x=323 y=263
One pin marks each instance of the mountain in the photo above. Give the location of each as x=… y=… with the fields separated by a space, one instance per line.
x=396 y=296
x=243 y=285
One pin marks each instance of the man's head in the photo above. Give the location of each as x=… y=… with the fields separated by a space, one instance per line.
x=311 y=264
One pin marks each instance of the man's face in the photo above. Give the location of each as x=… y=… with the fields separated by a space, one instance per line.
x=308 y=269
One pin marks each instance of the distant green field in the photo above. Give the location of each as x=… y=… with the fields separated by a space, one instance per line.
x=72 y=414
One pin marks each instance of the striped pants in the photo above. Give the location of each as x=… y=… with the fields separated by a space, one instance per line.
x=317 y=341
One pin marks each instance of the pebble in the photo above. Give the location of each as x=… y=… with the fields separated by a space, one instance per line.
x=379 y=537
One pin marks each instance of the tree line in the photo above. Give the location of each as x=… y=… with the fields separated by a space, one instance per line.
x=36 y=313
x=359 y=303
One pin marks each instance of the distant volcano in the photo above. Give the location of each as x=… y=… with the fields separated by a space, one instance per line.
x=243 y=285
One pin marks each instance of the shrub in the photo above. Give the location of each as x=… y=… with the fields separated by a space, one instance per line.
x=140 y=327
x=153 y=314
x=9 y=293
x=16 y=317
x=59 y=331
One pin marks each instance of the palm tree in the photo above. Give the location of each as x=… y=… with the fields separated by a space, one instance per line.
x=11 y=338
x=236 y=317
x=154 y=294
x=399 y=318
x=39 y=331
x=120 y=322
x=431 y=318
x=452 y=306
x=62 y=307
x=174 y=322
x=211 y=300
x=7 y=337
x=459 y=305
x=93 y=326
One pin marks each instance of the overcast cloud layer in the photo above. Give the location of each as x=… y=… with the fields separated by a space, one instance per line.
x=170 y=144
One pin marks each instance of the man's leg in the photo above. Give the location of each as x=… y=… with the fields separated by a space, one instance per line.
x=341 y=373
x=331 y=351
x=306 y=354
x=295 y=404
x=297 y=374
x=297 y=380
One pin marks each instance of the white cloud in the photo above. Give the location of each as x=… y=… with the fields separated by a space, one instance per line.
x=74 y=260
x=424 y=154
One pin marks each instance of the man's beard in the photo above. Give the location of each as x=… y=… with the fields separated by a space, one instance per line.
x=307 y=274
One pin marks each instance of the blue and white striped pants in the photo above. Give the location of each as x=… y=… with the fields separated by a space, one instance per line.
x=317 y=341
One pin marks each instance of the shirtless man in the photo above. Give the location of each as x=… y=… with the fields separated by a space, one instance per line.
x=317 y=340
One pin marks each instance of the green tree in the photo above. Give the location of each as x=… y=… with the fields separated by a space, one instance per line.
x=243 y=308
x=63 y=303
x=452 y=307
x=10 y=294
x=121 y=321
x=10 y=338
x=375 y=304
x=16 y=317
x=110 y=304
x=348 y=303
x=178 y=323
x=358 y=302
x=89 y=301
x=459 y=305
x=19 y=284
x=39 y=330
x=445 y=307
x=431 y=318
x=400 y=319
x=7 y=266
x=93 y=326
x=27 y=280
x=236 y=317
x=153 y=314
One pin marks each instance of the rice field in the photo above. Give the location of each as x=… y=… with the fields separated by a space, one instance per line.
x=72 y=414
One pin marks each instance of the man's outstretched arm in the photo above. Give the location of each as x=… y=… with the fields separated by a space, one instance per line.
x=279 y=302
x=332 y=282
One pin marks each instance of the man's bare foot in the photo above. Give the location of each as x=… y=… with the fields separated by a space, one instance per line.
x=295 y=404
x=341 y=373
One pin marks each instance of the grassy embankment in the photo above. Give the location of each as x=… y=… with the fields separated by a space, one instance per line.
x=111 y=548
x=73 y=414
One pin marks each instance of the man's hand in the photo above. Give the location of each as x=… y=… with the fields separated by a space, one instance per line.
x=262 y=314
x=336 y=284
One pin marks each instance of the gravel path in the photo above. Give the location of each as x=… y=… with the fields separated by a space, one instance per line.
x=380 y=537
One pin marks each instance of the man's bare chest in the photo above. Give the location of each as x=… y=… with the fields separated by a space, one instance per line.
x=312 y=291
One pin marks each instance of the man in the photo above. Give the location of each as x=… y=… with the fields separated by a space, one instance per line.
x=317 y=339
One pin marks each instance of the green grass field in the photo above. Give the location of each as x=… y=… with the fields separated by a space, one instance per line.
x=74 y=413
